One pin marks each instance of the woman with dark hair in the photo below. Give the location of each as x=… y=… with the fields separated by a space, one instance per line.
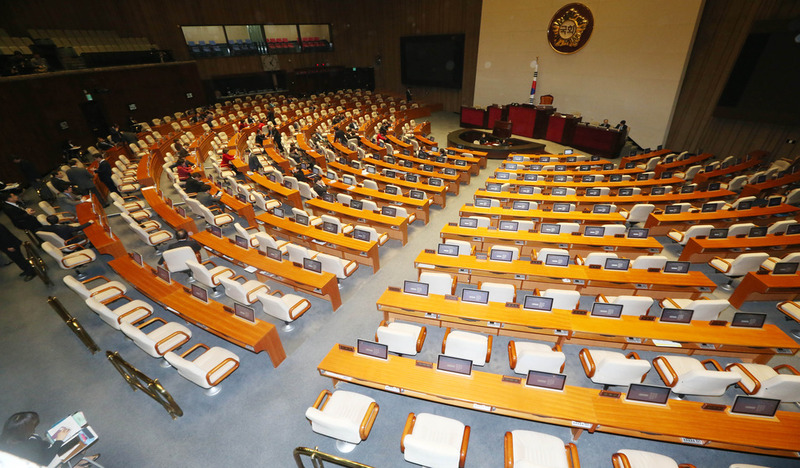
x=18 y=438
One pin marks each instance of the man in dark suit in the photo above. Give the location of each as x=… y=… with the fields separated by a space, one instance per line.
x=276 y=137
x=104 y=173
x=182 y=239
x=21 y=217
x=70 y=234
x=11 y=247
x=67 y=200
x=83 y=179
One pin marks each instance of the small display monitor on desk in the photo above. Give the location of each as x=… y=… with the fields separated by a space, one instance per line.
x=538 y=303
x=181 y=212
x=758 y=231
x=708 y=208
x=719 y=233
x=548 y=228
x=568 y=151
x=356 y=204
x=512 y=226
x=274 y=254
x=301 y=219
x=617 y=264
x=672 y=315
x=521 y=205
x=372 y=349
x=503 y=175
x=638 y=233
x=602 y=309
x=215 y=230
x=615 y=178
x=656 y=191
x=546 y=380
x=200 y=293
x=650 y=394
x=349 y=180
x=745 y=205
x=785 y=268
x=391 y=190
x=672 y=209
x=332 y=228
x=137 y=257
x=560 y=167
x=714 y=186
x=753 y=406
x=510 y=166
x=559 y=178
x=163 y=273
x=676 y=267
x=415 y=287
x=501 y=255
x=389 y=211
x=447 y=249
x=435 y=182
x=241 y=242
x=475 y=296
x=559 y=191
x=526 y=190
x=594 y=192
x=561 y=207
x=594 y=231
x=494 y=188
x=360 y=234
x=245 y=313
x=544 y=159
x=277 y=211
x=530 y=177
x=557 y=260
x=748 y=320
x=793 y=229
x=312 y=265
x=483 y=202
x=454 y=365
x=471 y=223
x=601 y=209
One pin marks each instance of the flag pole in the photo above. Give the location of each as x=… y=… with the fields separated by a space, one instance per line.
x=533 y=84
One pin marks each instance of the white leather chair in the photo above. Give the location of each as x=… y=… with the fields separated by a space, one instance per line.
x=464 y=247
x=528 y=449
x=72 y=260
x=61 y=244
x=343 y=228
x=689 y=376
x=159 y=341
x=219 y=220
x=105 y=292
x=252 y=240
x=542 y=254
x=682 y=237
x=370 y=184
x=130 y=312
x=569 y=228
x=374 y=235
x=735 y=204
x=738 y=267
x=345 y=416
x=154 y=238
x=63 y=216
x=780 y=227
x=643 y=262
x=438 y=283
x=614 y=229
x=627 y=458
x=401 y=338
x=483 y=221
x=595 y=258
x=286 y=307
x=514 y=251
x=763 y=381
x=211 y=277
x=305 y=191
x=747 y=465
x=262 y=202
x=466 y=345
x=133 y=203
x=434 y=441
x=769 y=264
x=524 y=356
x=612 y=367
x=705 y=309
x=344 y=199
x=297 y=253
x=265 y=240
x=737 y=183
x=208 y=369
x=403 y=213
x=793 y=197
x=247 y=292
x=312 y=220
x=340 y=267
x=370 y=205
x=562 y=298
x=499 y=292
x=739 y=229
x=175 y=259
x=631 y=305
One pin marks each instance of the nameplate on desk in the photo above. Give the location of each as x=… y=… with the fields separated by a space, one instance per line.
x=477 y=239
x=450 y=297
x=464 y=270
x=641 y=286
x=431 y=315
x=706 y=346
x=389 y=388
x=494 y=324
x=172 y=310
x=688 y=440
x=346 y=348
x=514 y=380
x=609 y=394
x=430 y=251
x=581 y=424
x=520 y=277
x=426 y=265
x=427 y=365
x=704 y=289
x=608 y=248
x=717 y=323
x=595 y=267
x=647 y=318
x=654 y=250
x=784 y=351
x=227 y=258
x=394 y=289
x=561 y=332
x=452 y=224
x=579 y=281
x=633 y=339
x=512 y=305
x=713 y=407
x=519 y=242
x=563 y=246
x=579 y=312
x=481 y=407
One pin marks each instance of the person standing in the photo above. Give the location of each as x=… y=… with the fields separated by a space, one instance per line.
x=29 y=171
x=83 y=179
x=104 y=172
x=252 y=161
x=11 y=247
x=23 y=218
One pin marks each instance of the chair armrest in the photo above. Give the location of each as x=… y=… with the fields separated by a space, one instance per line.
x=421 y=338
x=277 y=292
x=166 y=339
x=633 y=355
x=743 y=370
x=587 y=362
x=409 y=427
x=250 y=228
x=536 y=291
x=686 y=465
x=109 y=288
x=714 y=363
x=578 y=260
x=256 y=289
x=368 y=421
x=215 y=275
x=198 y=345
x=209 y=262
x=219 y=366
x=680 y=233
x=512 y=354
x=489 y=348
x=726 y=262
x=150 y=322
x=572 y=455
x=295 y=306
x=119 y=319
x=238 y=277
x=508 y=451
x=619 y=460
x=671 y=302
x=788 y=367
x=322 y=399
x=600 y=297
x=669 y=380
x=444 y=340
x=464 y=446
x=94 y=278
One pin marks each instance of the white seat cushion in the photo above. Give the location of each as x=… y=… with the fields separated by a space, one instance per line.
x=534 y=449
x=640 y=459
x=341 y=417
x=435 y=441
x=401 y=338
x=466 y=345
x=537 y=356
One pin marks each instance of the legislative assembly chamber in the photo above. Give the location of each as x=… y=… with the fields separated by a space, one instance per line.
x=442 y=234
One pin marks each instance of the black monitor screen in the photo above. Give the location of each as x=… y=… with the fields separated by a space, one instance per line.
x=676 y=315
x=483 y=202
x=709 y=208
x=274 y=254
x=559 y=191
x=181 y=212
x=793 y=229
x=648 y=394
x=672 y=209
x=435 y=182
x=391 y=190
x=520 y=205
x=608 y=166
x=215 y=230
x=370 y=169
x=468 y=222
x=687 y=189
x=493 y=187
x=241 y=242
x=544 y=159
x=414 y=287
x=508 y=226
x=713 y=187
x=556 y=260
x=602 y=309
x=525 y=190
x=501 y=255
x=755 y=406
x=287 y=184
x=619 y=264
x=676 y=267
x=546 y=228
x=278 y=212
x=561 y=207
x=331 y=175
x=586 y=167
x=530 y=177
x=449 y=171
x=785 y=268
x=593 y=192
x=643 y=176
x=312 y=265
x=475 y=295
x=200 y=293
x=666 y=175
x=460 y=162
x=560 y=178
x=328 y=197
x=630 y=165
x=417 y=194
x=544 y=304
x=389 y=211
x=454 y=365
x=638 y=233
x=746 y=320
x=392 y=175
x=333 y=228
x=163 y=273
x=447 y=249
x=560 y=167
x=372 y=349
x=137 y=257
x=301 y=219
x=536 y=167
x=594 y=231
x=546 y=380
x=745 y=205
x=758 y=231
x=349 y=180
x=657 y=191
x=774 y=201
x=244 y=312
x=720 y=233
x=518 y=158
x=615 y=178
x=361 y=235
x=511 y=166
x=503 y=175
x=601 y=209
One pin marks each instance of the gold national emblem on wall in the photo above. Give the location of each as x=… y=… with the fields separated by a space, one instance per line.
x=570 y=28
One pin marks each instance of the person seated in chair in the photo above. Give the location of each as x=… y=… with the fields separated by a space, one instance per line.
x=70 y=234
x=19 y=438
x=182 y=239
x=605 y=124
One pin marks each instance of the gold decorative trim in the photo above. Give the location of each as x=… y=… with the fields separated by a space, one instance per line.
x=570 y=28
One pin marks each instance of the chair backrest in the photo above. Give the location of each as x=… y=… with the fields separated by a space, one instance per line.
x=542 y=254
x=331 y=264
x=782 y=387
x=780 y=226
x=370 y=184
x=705 y=382
x=47 y=208
x=53 y=251
x=265 y=240
x=569 y=228
x=634 y=305
x=297 y=253
x=499 y=292
x=242 y=232
x=644 y=262
x=79 y=288
x=175 y=259
x=199 y=272
x=614 y=229
x=598 y=258
x=370 y=205
x=747 y=262
x=439 y=283
x=275 y=307
x=736 y=203
x=464 y=247
x=562 y=298
x=52 y=238
x=343 y=198
x=740 y=228
x=483 y=221
x=696 y=230
x=707 y=309
x=612 y=368
x=305 y=190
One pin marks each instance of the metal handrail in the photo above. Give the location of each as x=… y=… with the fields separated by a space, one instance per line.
x=317 y=459
x=73 y=324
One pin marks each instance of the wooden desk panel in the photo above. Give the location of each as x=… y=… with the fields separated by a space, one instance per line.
x=103 y=240
x=755 y=287
x=395 y=227
x=679 y=421
x=681 y=163
x=526 y=275
x=244 y=210
x=167 y=214
x=452 y=181
x=212 y=317
x=421 y=208
x=564 y=327
x=323 y=285
x=755 y=189
x=437 y=194
x=507 y=198
x=495 y=214
x=338 y=245
x=660 y=224
x=703 y=177
x=276 y=190
x=702 y=250
x=644 y=157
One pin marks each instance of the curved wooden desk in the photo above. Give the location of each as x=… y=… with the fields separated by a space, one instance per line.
x=702 y=250
x=421 y=208
x=437 y=194
x=660 y=224
x=99 y=233
x=766 y=287
x=498 y=213
x=395 y=227
x=507 y=198
x=169 y=215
